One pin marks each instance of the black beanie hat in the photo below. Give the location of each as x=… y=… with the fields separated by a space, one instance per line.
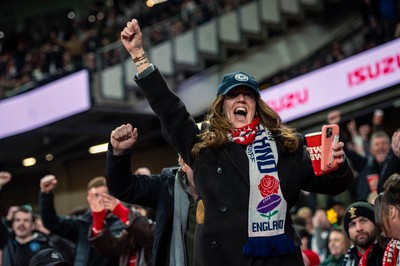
x=357 y=209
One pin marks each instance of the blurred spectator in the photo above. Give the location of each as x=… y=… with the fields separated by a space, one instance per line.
x=397 y=30
x=52 y=55
x=306 y=213
x=377 y=120
x=373 y=33
x=368 y=8
x=76 y=47
x=89 y=62
x=133 y=245
x=392 y=161
x=309 y=257
x=319 y=239
x=389 y=15
x=369 y=168
x=76 y=228
x=338 y=244
x=359 y=137
x=336 y=53
x=22 y=242
x=188 y=9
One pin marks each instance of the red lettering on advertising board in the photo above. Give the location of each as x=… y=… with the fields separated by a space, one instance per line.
x=380 y=68
x=289 y=100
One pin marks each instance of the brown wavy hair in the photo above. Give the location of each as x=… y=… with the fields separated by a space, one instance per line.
x=219 y=126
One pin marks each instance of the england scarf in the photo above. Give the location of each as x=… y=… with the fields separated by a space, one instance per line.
x=267 y=206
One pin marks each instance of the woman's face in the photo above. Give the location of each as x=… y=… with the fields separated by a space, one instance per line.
x=240 y=106
x=337 y=243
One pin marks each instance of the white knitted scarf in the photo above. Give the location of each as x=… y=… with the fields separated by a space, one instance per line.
x=267 y=205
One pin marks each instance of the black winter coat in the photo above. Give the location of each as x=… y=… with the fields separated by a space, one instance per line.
x=221 y=177
x=154 y=191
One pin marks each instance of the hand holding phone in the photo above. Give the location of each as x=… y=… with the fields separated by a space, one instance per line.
x=330 y=136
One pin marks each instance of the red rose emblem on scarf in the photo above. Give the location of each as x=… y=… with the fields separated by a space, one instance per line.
x=268 y=185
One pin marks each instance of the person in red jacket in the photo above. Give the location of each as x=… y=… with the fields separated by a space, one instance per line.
x=133 y=245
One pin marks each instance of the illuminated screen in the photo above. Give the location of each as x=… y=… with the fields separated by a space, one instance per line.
x=349 y=79
x=60 y=99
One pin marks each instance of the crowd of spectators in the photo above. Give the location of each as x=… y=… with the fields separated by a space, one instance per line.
x=44 y=49
x=380 y=24
x=51 y=47
x=323 y=222
x=47 y=47
x=107 y=233
x=326 y=229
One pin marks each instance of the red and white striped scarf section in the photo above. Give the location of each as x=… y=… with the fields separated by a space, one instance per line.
x=391 y=255
x=244 y=135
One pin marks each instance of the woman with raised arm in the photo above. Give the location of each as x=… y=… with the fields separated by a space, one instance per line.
x=248 y=167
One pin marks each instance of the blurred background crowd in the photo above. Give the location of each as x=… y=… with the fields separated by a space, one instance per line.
x=37 y=50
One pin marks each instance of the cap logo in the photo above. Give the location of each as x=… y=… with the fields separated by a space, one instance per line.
x=54 y=255
x=352 y=212
x=241 y=77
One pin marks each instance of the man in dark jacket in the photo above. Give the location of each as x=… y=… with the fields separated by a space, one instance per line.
x=171 y=193
x=370 y=166
x=20 y=240
x=76 y=228
x=392 y=161
x=359 y=225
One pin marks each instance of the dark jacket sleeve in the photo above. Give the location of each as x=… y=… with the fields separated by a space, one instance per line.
x=138 y=233
x=359 y=162
x=66 y=227
x=4 y=232
x=127 y=187
x=105 y=243
x=391 y=166
x=178 y=126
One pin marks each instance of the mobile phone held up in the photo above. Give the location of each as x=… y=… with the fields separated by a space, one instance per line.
x=330 y=136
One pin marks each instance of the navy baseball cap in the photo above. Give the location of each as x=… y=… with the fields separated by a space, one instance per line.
x=234 y=79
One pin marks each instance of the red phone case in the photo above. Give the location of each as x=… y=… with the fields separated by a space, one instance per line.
x=330 y=136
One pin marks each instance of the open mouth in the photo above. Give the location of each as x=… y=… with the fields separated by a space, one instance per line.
x=240 y=113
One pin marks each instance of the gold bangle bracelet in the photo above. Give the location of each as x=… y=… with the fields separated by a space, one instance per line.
x=139 y=58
